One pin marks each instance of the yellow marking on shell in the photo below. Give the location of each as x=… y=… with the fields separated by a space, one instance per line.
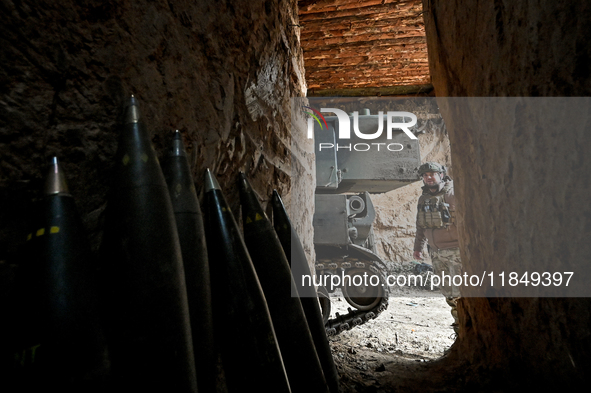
x=258 y=217
x=40 y=232
x=178 y=188
x=125 y=159
x=144 y=157
x=248 y=220
x=54 y=229
x=33 y=350
x=224 y=209
x=29 y=236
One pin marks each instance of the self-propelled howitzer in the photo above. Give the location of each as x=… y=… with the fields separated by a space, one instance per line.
x=347 y=171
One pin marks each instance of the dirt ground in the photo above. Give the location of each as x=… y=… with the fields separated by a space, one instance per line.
x=390 y=352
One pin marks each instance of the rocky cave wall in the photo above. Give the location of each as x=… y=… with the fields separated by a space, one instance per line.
x=518 y=190
x=220 y=72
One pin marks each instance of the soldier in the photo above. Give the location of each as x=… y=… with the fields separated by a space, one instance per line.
x=436 y=226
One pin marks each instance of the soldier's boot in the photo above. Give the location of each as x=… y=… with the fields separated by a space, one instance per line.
x=453 y=302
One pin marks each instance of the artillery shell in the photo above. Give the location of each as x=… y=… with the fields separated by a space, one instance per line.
x=295 y=340
x=299 y=264
x=189 y=223
x=147 y=310
x=66 y=345
x=243 y=327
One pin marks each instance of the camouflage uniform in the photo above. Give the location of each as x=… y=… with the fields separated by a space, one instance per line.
x=436 y=226
x=448 y=261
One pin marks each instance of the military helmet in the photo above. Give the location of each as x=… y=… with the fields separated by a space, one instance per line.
x=431 y=167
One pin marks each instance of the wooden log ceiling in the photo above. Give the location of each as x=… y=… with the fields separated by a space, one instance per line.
x=364 y=47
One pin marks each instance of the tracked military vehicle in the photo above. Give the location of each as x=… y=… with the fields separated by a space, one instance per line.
x=346 y=174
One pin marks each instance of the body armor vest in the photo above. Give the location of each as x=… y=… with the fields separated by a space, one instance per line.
x=433 y=212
